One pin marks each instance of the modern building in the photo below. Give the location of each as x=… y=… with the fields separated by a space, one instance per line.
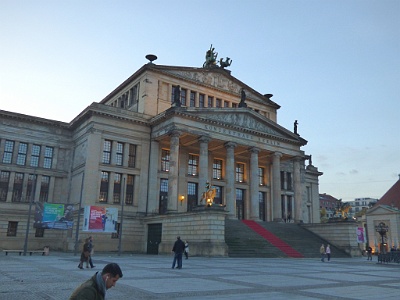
x=150 y=149
x=329 y=203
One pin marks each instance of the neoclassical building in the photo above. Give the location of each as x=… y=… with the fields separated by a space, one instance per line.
x=150 y=148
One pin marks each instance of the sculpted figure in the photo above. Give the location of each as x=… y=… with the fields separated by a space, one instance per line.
x=226 y=63
x=211 y=57
x=242 y=102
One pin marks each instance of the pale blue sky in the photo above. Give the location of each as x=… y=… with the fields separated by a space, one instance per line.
x=334 y=65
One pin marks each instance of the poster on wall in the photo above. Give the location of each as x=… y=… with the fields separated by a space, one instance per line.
x=360 y=235
x=53 y=216
x=100 y=219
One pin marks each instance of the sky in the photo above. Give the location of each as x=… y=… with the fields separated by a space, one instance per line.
x=333 y=65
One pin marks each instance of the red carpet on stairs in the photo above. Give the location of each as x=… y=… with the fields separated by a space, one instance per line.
x=273 y=239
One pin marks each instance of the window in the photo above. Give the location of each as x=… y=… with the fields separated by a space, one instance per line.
x=119 y=156
x=133 y=95
x=261 y=176
x=44 y=189
x=30 y=189
x=218 y=103
x=282 y=180
x=117 y=188
x=17 y=188
x=217 y=169
x=35 y=154
x=234 y=105
x=183 y=97
x=132 y=156
x=8 y=152
x=201 y=100
x=129 y=189
x=21 y=157
x=210 y=101
x=165 y=160
x=104 y=186
x=193 y=165
x=48 y=157
x=289 y=181
x=192 y=99
x=12 y=228
x=39 y=232
x=218 y=195
x=239 y=172
x=226 y=104
x=106 y=152
x=4 y=180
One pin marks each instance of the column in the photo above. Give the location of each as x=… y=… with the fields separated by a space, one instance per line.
x=173 y=172
x=298 y=216
x=153 y=185
x=230 y=194
x=10 y=186
x=203 y=165
x=110 y=199
x=254 y=184
x=276 y=186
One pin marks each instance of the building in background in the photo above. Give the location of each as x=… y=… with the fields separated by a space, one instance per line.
x=150 y=148
x=329 y=204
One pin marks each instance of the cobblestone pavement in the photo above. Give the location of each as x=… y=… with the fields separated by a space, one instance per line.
x=151 y=277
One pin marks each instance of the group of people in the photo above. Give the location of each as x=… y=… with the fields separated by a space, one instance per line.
x=325 y=252
x=180 y=247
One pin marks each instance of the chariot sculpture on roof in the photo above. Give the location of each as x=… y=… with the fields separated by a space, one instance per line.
x=211 y=59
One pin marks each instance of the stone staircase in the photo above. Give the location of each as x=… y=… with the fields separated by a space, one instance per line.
x=243 y=241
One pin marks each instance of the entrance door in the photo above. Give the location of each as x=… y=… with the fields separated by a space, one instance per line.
x=240 y=204
x=153 y=237
x=192 y=196
x=163 y=203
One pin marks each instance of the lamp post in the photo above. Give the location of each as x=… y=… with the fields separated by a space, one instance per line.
x=382 y=228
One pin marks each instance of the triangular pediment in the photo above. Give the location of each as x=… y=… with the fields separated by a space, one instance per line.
x=382 y=209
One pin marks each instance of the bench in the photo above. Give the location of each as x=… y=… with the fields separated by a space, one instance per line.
x=22 y=251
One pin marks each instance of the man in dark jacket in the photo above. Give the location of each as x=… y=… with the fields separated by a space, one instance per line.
x=179 y=247
x=95 y=288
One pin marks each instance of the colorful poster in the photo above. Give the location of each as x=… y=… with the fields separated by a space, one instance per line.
x=100 y=219
x=53 y=216
x=360 y=235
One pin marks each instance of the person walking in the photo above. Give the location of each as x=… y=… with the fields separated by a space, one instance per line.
x=322 y=252
x=186 y=249
x=179 y=247
x=85 y=255
x=369 y=253
x=95 y=288
x=328 y=252
x=90 y=249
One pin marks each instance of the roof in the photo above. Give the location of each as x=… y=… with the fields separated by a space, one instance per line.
x=392 y=196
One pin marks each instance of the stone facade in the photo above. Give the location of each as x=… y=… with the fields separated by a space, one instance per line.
x=138 y=147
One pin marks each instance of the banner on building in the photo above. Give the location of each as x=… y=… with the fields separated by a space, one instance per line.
x=53 y=216
x=100 y=219
x=360 y=235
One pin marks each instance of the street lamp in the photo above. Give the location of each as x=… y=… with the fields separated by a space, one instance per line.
x=382 y=228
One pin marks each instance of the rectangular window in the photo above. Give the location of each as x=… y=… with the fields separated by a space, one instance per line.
x=289 y=181
x=22 y=151
x=8 y=152
x=165 y=160
x=133 y=95
x=129 y=190
x=282 y=180
x=210 y=101
x=192 y=99
x=217 y=169
x=106 y=152
x=261 y=176
x=31 y=187
x=48 y=157
x=218 y=195
x=17 y=188
x=234 y=105
x=201 y=100
x=12 y=228
x=44 y=189
x=193 y=165
x=4 y=180
x=117 y=188
x=35 y=154
x=105 y=176
x=119 y=155
x=226 y=104
x=239 y=172
x=132 y=156
x=173 y=93
x=183 y=97
x=218 y=103
x=39 y=232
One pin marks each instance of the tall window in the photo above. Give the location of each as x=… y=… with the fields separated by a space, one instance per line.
x=133 y=95
x=183 y=97
x=218 y=103
x=106 y=152
x=119 y=156
x=282 y=180
x=210 y=101
x=22 y=150
x=261 y=176
x=31 y=187
x=17 y=188
x=239 y=172
x=193 y=165
x=132 y=156
x=226 y=104
x=8 y=152
x=35 y=154
x=165 y=160
x=217 y=169
x=48 y=157
x=289 y=181
x=234 y=105
x=201 y=100
x=4 y=180
x=44 y=189
x=218 y=195
x=117 y=188
x=12 y=228
x=129 y=189
x=105 y=177
x=192 y=99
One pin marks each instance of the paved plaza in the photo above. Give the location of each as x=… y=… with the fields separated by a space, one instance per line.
x=151 y=277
